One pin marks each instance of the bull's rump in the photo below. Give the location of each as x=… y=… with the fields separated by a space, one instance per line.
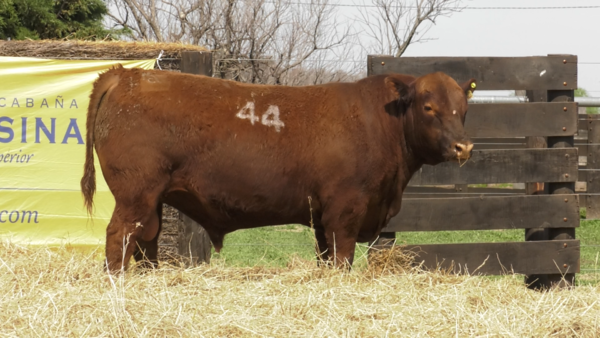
x=202 y=132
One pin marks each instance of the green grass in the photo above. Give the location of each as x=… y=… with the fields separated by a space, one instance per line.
x=275 y=246
x=267 y=246
x=589 y=235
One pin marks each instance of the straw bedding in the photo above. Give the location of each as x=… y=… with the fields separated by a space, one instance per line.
x=49 y=292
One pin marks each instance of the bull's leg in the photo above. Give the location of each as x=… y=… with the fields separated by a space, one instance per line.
x=342 y=223
x=121 y=235
x=146 y=252
x=135 y=221
x=341 y=246
x=321 y=245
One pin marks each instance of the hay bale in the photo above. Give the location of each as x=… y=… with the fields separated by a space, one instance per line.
x=105 y=50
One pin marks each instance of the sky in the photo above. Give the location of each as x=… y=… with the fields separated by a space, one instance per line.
x=517 y=32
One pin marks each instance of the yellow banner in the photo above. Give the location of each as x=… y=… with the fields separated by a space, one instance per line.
x=43 y=108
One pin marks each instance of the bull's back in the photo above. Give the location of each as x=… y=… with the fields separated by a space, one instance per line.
x=186 y=113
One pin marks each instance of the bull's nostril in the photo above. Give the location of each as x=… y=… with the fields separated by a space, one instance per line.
x=459 y=148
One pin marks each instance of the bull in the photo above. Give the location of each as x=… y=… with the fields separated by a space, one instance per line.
x=235 y=156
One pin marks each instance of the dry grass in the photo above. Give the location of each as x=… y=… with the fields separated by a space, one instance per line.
x=65 y=293
x=105 y=50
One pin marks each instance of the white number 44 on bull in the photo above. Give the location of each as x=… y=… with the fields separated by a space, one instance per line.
x=270 y=118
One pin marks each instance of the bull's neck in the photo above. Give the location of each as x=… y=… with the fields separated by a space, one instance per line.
x=410 y=161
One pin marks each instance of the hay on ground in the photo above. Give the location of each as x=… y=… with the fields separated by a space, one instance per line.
x=65 y=293
x=393 y=260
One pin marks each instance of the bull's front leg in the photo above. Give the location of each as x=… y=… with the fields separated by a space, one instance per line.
x=321 y=246
x=341 y=224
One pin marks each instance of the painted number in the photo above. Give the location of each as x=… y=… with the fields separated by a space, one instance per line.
x=270 y=118
x=248 y=113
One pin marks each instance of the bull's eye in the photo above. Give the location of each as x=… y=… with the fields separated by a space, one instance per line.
x=428 y=108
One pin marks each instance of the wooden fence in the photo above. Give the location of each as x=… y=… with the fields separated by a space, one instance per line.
x=587 y=185
x=531 y=143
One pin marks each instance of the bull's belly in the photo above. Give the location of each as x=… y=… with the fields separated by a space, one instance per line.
x=224 y=198
x=228 y=212
x=219 y=217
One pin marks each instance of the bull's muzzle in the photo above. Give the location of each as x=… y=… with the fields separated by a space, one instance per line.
x=463 y=150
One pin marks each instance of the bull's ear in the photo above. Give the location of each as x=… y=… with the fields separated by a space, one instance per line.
x=399 y=88
x=469 y=87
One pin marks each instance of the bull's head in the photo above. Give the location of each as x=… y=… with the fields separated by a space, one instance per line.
x=434 y=108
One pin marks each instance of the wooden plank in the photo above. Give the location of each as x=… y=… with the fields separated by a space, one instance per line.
x=499 y=143
x=193 y=62
x=504 y=166
x=536 y=188
x=592 y=207
x=593 y=152
x=499 y=140
x=538 y=257
x=193 y=242
x=461 y=194
x=385 y=240
x=583 y=125
x=581 y=187
x=491 y=73
x=588 y=116
x=593 y=128
x=593 y=181
x=490 y=146
x=472 y=190
x=487 y=213
x=461 y=188
x=528 y=119
x=582 y=175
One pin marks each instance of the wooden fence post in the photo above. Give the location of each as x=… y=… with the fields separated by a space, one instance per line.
x=551 y=280
x=561 y=188
x=593 y=169
x=192 y=242
x=536 y=234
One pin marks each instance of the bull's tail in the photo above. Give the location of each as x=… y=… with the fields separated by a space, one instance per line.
x=101 y=87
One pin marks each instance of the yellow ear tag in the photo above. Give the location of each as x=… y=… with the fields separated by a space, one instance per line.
x=473 y=85
x=469 y=94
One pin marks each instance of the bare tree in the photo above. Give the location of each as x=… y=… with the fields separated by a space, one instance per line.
x=256 y=41
x=141 y=17
x=395 y=24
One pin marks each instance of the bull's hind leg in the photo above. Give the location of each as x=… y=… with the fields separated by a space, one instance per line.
x=146 y=252
x=134 y=225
